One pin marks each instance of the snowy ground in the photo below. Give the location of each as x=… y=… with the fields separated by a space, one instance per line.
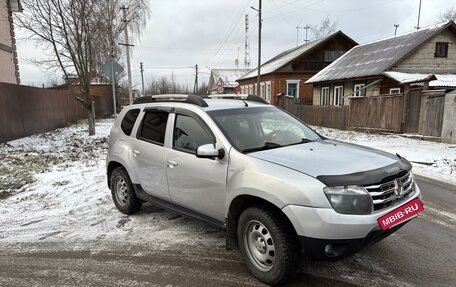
x=57 y=190
x=69 y=200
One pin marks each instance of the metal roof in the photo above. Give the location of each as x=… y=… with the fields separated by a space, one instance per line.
x=287 y=56
x=371 y=59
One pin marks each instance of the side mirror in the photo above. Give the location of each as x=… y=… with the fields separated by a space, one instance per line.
x=209 y=151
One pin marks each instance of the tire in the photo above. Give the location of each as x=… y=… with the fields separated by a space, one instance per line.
x=268 y=244
x=122 y=192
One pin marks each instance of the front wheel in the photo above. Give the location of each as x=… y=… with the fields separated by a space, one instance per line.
x=268 y=244
x=123 y=195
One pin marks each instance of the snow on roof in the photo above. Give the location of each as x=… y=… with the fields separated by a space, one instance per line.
x=284 y=58
x=228 y=76
x=407 y=78
x=373 y=58
x=435 y=80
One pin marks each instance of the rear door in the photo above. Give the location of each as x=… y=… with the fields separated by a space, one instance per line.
x=198 y=184
x=148 y=152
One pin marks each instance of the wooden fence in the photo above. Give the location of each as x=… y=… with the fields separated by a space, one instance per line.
x=331 y=117
x=431 y=116
x=417 y=111
x=379 y=113
x=28 y=110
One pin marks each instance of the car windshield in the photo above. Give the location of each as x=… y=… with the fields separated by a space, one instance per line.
x=260 y=128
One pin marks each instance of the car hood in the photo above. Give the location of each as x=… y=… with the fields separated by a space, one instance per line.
x=337 y=163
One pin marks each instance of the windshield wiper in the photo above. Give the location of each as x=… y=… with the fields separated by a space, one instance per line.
x=303 y=140
x=267 y=145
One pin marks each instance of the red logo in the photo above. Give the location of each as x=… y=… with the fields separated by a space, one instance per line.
x=401 y=214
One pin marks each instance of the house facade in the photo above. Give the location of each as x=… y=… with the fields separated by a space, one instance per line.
x=287 y=73
x=8 y=55
x=424 y=58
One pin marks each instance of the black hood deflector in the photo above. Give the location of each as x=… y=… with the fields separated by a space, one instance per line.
x=370 y=177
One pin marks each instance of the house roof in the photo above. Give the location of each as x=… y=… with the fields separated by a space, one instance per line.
x=287 y=56
x=435 y=80
x=228 y=77
x=371 y=59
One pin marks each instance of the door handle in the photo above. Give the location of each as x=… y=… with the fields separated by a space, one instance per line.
x=136 y=152
x=171 y=163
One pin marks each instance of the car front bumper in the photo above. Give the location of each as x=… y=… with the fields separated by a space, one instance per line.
x=328 y=235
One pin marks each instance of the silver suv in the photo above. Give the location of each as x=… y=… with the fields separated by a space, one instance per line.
x=279 y=189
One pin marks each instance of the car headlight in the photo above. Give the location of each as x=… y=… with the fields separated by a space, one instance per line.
x=349 y=199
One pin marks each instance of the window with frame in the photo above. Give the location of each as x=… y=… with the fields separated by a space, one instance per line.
x=324 y=96
x=395 y=90
x=338 y=95
x=129 y=121
x=441 y=50
x=358 y=90
x=268 y=92
x=189 y=134
x=263 y=90
x=154 y=127
x=293 y=88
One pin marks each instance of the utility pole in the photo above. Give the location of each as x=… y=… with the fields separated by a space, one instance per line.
x=258 y=92
x=195 y=87
x=307 y=27
x=127 y=46
x=113 y=80
x=247 y=44
x=419 y=14
x=297 y=34
x=395 y=28
x=141 y=68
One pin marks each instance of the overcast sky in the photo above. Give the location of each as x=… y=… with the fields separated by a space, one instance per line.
x=182 y=33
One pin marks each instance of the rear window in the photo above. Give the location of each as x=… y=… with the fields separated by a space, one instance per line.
x=129 y=121
x=154 y=127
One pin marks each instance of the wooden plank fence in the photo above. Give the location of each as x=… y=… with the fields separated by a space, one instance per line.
x=379 y=113
x=28 y=110
x=417 y=112
x=431 y=116
x=331 y=117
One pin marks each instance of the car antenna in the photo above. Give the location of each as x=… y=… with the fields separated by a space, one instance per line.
x=237 y=95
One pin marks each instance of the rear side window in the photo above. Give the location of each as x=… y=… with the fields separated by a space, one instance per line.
x=154 y=126
x=129 y=121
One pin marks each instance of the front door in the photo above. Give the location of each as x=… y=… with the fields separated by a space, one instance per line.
x=195 y=183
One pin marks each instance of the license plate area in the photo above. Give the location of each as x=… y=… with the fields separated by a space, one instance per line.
x=401 y=214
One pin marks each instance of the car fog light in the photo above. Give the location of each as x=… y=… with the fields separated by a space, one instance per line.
x=328 y=249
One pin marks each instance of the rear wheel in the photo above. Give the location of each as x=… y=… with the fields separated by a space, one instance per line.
x=270 y=248
x=122 y=191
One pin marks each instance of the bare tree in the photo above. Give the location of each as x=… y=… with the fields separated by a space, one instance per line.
x=73 y=35
x=326 y=27
x=448 y=14
x=163 y=85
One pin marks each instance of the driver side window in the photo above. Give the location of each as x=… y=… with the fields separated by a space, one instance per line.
x=189 y=134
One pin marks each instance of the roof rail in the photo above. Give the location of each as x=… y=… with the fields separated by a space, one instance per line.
x=251 y=98
x=189 y=99
x=255 y=98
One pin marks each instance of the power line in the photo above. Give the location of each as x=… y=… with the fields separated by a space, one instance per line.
x=232 y=28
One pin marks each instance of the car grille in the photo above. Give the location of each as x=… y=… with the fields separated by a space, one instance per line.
x=392 y=192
